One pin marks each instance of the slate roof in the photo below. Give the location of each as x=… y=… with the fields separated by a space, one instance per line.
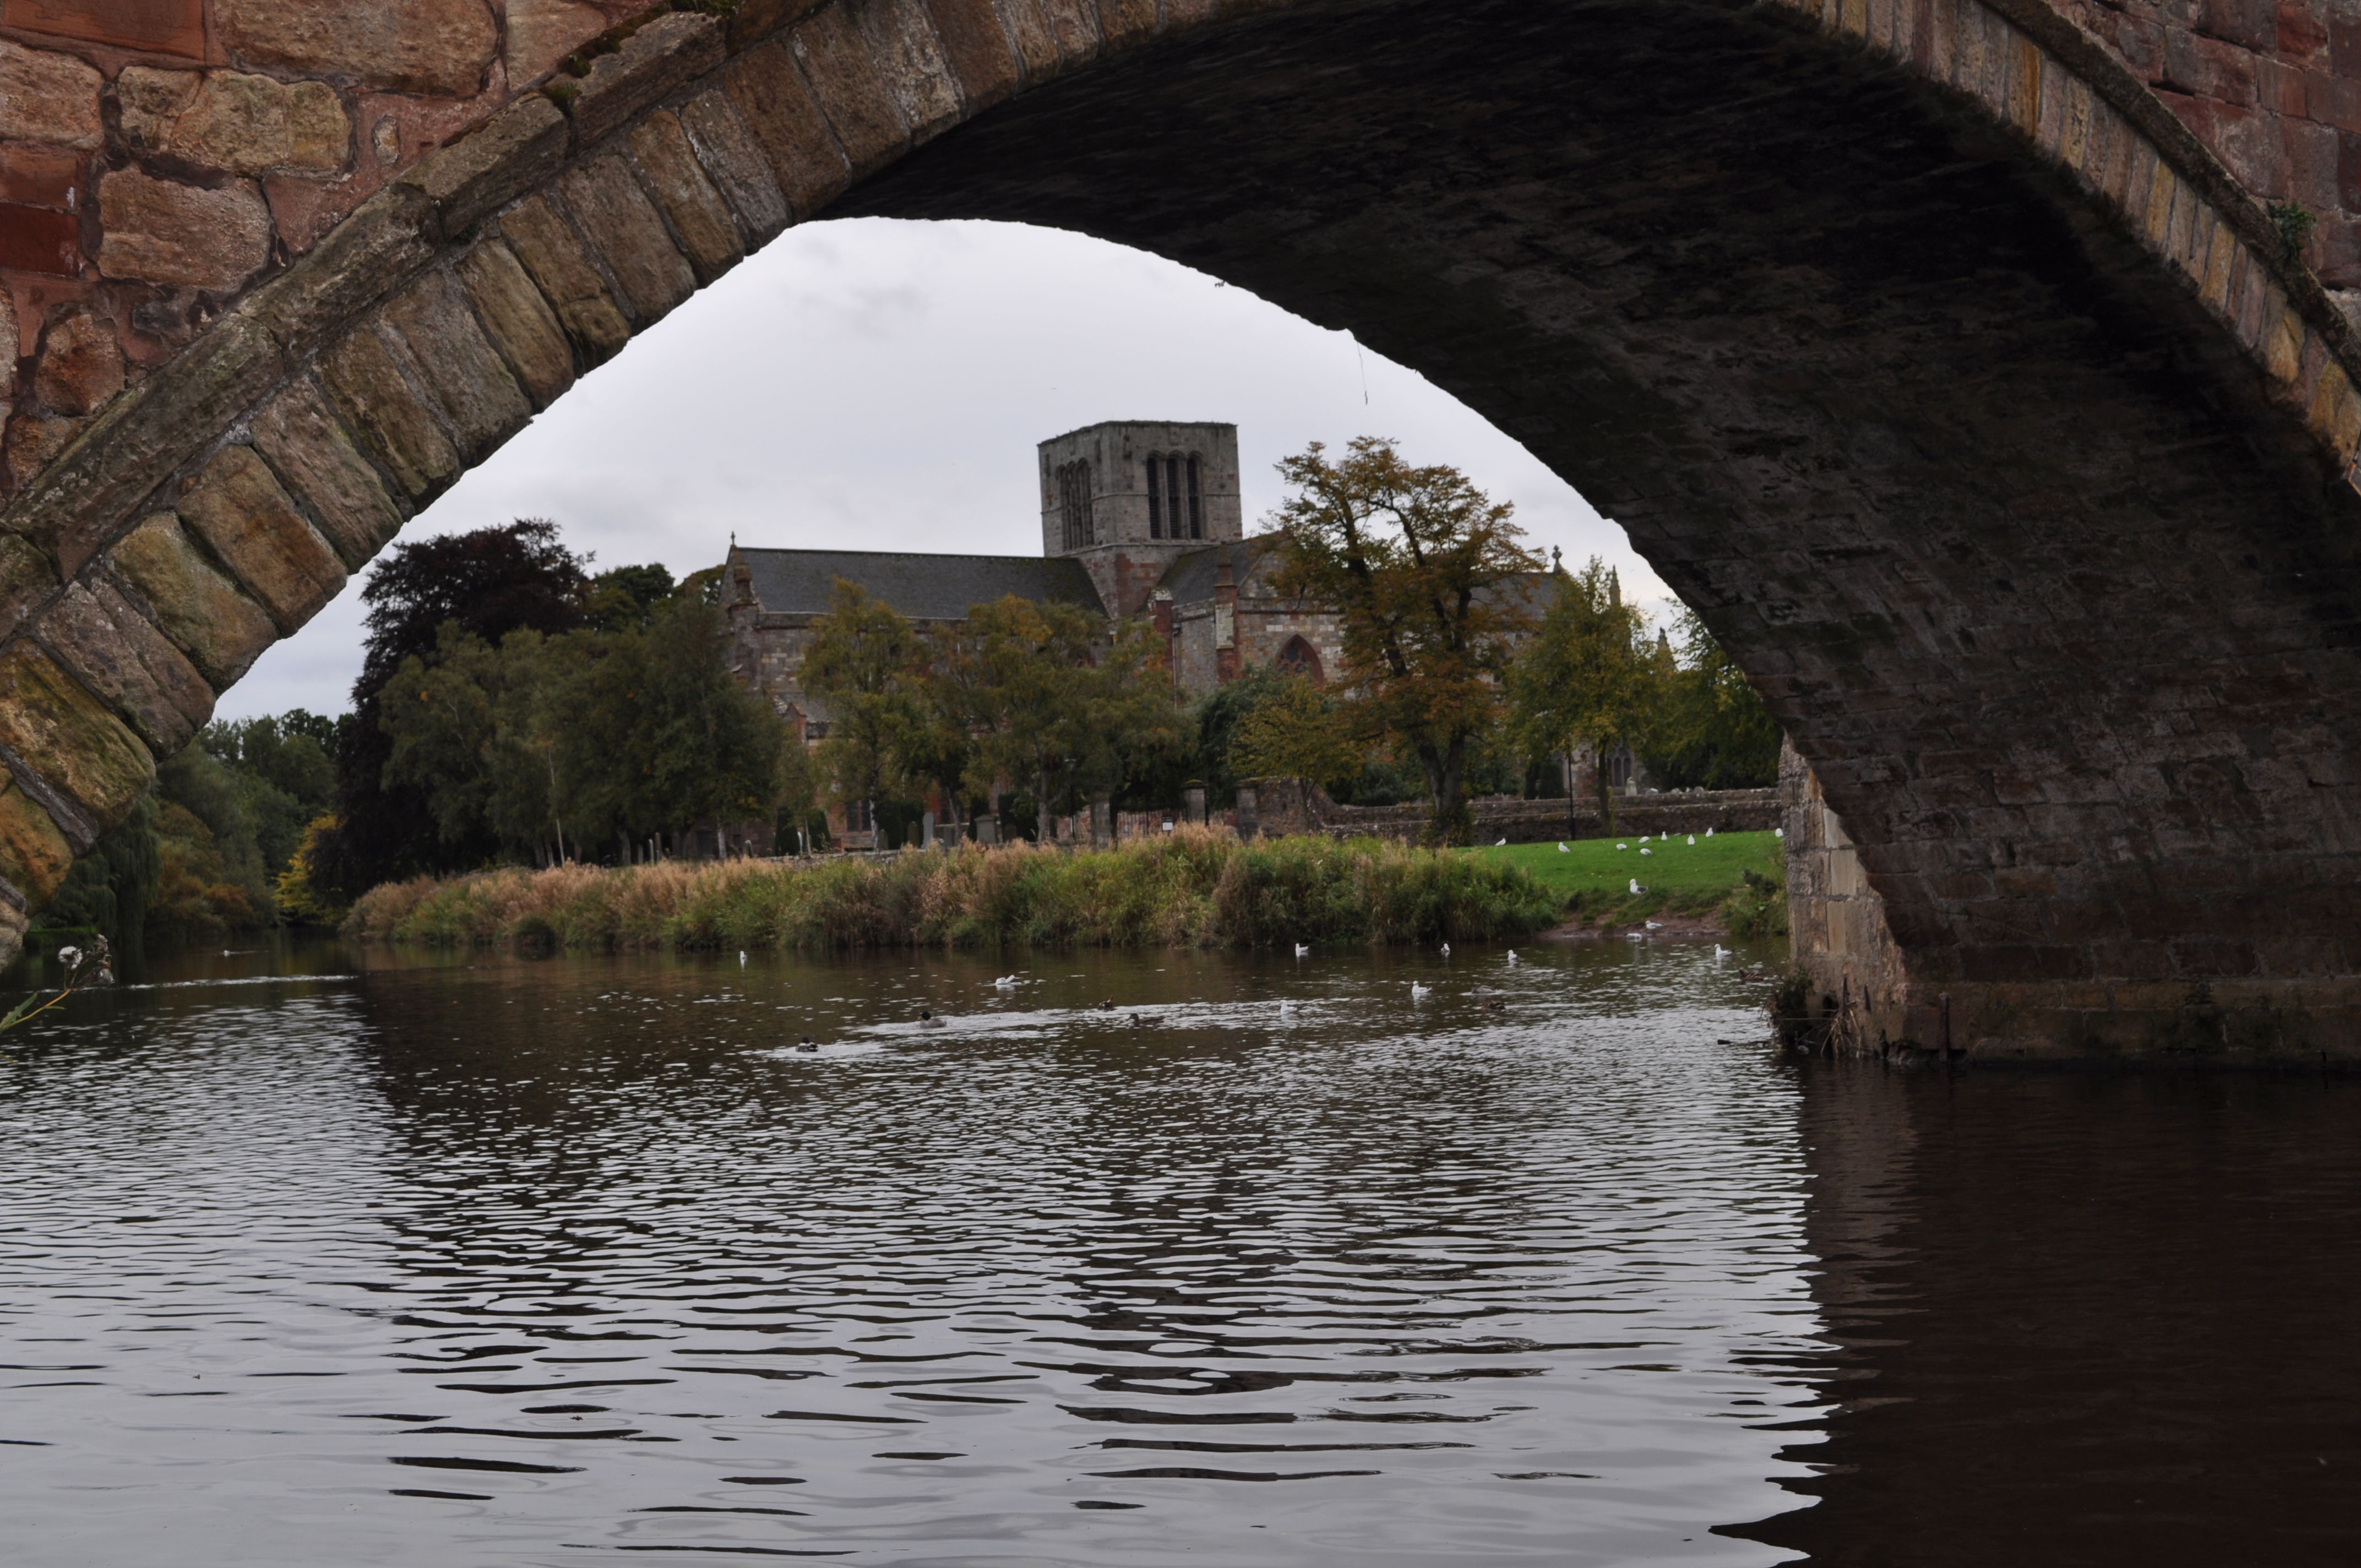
x=1190 y=579
x=924 y=588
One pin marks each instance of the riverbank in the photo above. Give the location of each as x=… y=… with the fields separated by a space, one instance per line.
x=1193 y=888
x=1729 y=883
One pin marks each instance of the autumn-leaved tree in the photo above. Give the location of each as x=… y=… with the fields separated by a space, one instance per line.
x=1056 y=698
x=1588 y=675
x=1300 y=732
x=863 y=661
x=1426 y=574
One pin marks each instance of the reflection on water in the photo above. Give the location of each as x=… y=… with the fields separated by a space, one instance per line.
x=510 y=1263
x=496 y=1263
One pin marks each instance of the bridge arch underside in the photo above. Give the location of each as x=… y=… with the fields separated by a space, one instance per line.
x=2056 y=597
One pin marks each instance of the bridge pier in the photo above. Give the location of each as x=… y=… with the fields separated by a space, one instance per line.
x=1854 y=989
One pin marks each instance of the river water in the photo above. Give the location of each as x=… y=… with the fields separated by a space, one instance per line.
x=318 y=1256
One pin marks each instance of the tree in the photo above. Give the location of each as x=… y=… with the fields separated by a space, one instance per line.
x=1589 y=676
x=1299 y=733
x=1026 y=656
x=705 y=748
x=548 y=746
x=864 y=660
x=1717 y=733
x=490 y=582
x=437 y=711
x=1424 y=570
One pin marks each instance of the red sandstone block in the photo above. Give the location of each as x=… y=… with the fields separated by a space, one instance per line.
x=39 y=176
x=157 y=26
x=40 y=240
x=2300 y=34
x=2253 y=23
x=2311 y=163
x=2208 y=68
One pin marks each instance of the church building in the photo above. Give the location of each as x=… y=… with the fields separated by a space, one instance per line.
x=1138 y=519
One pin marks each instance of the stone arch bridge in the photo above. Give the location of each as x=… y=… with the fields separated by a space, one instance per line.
x=1949 y=356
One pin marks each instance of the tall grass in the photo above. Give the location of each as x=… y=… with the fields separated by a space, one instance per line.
x=1193 y=888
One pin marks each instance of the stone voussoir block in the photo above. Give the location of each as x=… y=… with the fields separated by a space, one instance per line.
x=204 y=614
x=1033 y=38
x=299 y=436
x=127 y=452
x=54 y=726
x=771 y=96
x=851 y=91
x=101 y=637
x=366 y=384
x=669 y=169
x=615 y=216
x=735 y=163
x=755 y=21
x=380 y=243
x=519 y=320
x=237 y=508
x=480 y=402
x=27 y=579
x=908 y=55
x=668 y=53
x=545 y=244
x=34 y=854
x=518 y=149
x=975 y=46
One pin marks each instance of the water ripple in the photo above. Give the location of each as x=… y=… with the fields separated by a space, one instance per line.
x=593 y=1243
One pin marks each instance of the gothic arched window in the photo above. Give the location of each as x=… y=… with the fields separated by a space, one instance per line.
x=1175 y=507
x=1301 y=658
x=1074 y=504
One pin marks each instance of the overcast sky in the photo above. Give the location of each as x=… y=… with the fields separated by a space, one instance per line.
x=872 y=384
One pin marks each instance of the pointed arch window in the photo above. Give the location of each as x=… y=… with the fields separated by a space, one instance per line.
x=1175 y=507
x=1074 y=504
x=1301 y=658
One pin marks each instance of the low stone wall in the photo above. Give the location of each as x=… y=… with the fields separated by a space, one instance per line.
x=1282 y=807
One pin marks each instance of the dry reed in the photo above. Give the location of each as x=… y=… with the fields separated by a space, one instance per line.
x=1193 y=888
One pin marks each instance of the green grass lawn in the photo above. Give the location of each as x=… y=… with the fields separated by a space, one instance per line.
x=1596 y=877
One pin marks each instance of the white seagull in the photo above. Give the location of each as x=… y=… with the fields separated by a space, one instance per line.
x=1006 y=983
x=1636 y=887
x=1708 y=832
x=1692 y=836
x=1418 y=992
x=1502 y=841
x=1778 y=832
x=1447 y=949
x=1719 y=952
x=1645 y=850
x=1302 y=949
x=742 y=957
x=1512 y=955
x=1563 y=850
x=1655 y=926
x=1622 y=846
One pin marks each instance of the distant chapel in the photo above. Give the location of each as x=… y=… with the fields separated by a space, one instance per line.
x=1137 y=519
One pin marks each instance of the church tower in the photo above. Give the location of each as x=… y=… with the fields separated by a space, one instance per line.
x=1128 y=498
